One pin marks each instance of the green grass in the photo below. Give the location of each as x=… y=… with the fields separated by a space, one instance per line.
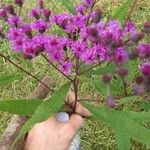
x=95 y=135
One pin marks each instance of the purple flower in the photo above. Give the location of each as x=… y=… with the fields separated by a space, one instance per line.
x=30 y=49
x=55 y=43
x=15 y=33
x=17 y=45
x=78 y=47
x=91 y=33
x=145 y=69
x=27 y=30
x=81 y=9
x=89 y=3
x=56 y=55
x=110 y=102
x=112 y=32
x=40 y=41
x=46 y=13
x=35 y=13
x=129 y=28
x=40 y=25
x=144 y=50
x=96 y=16
x=103 y=52
x=79 y=21
x=88 y=56
x=14 y=21
x=3 y=13
x=121 y=56
x=61 y=19
x=66 y=67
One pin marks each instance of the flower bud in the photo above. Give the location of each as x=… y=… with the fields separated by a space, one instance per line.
x=147 y=27
x=35 y=13
x=138 y=90
x=19 y=2
x=123 y=72
x=110 y=102
x=117 y=43
x=144 y=50
x=106 y=78
x=96 y=16
x=27 y=30
x=47 y=14
x=145 y=69
x=139 y=79
x=41 y=4
x=135 y=37
x=11 y=10
x=3 y=13
x=134 y=54
x=92 y=31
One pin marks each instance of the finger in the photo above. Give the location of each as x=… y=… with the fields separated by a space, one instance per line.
x=76 y=121
x=70 y=98
x=81 y=110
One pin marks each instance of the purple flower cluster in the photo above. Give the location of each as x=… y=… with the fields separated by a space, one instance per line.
x=87 y=38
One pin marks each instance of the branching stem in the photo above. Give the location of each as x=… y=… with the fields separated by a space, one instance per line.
x=56 y=68
x=23 y=70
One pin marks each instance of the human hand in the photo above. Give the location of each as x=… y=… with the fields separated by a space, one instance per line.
x=53 y=135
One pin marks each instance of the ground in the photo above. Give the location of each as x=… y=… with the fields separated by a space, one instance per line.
x=94 y=135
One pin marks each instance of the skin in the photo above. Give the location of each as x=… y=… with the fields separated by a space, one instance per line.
x=53 y=135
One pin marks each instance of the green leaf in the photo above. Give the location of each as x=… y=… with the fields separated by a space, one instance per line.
x=122 y=11
x=68 y=5
x=115 y=86
x=147 y=106
x=46 y=109
x=108 y=68
x=5 y=79
x=99 y=86
x=125 y=125
x=20 y=107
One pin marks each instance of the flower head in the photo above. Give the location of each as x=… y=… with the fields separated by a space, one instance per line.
x=19 y=2
x=66 y=67
x=35 y=13
x=121 y=56
x=15 y=33
x=110 y=102
x=40 y=25
x=78 y=48
x=144 y=50
x=147 y=27
x=88 y=3
x=14 y=21
x=145 y=69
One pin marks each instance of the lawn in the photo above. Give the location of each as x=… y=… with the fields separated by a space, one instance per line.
x=94 y=135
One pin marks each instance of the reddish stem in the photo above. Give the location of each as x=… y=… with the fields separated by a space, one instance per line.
x=130 y=12
x=56 y=68
x=23 y=70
